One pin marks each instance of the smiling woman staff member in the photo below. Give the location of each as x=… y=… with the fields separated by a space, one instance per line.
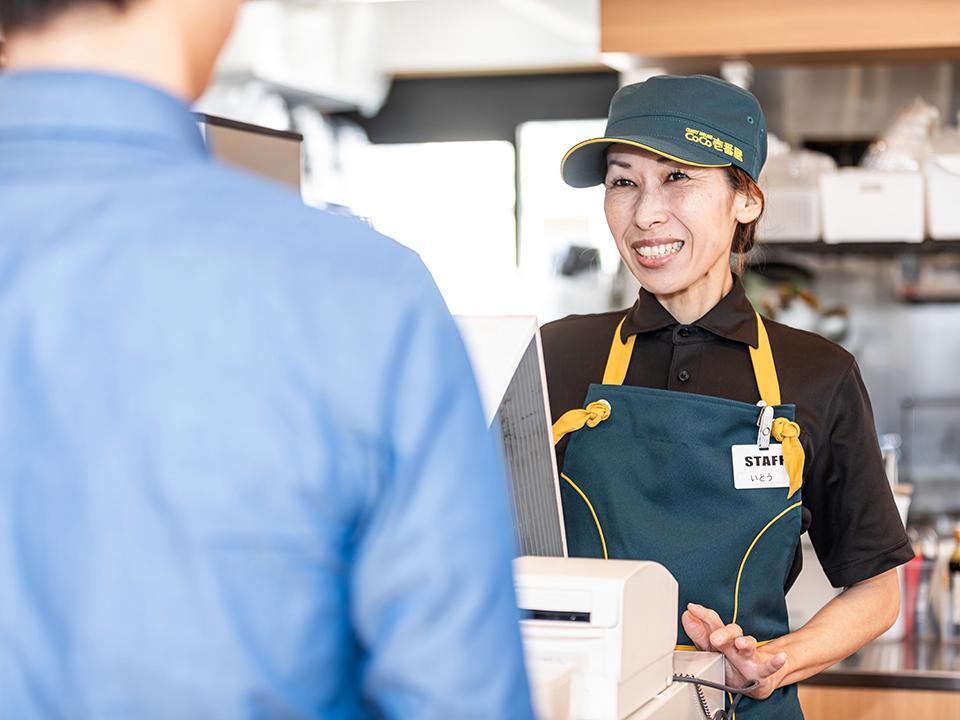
x=696 y=434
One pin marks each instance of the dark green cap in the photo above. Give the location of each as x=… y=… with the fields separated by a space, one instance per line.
x=696 y=120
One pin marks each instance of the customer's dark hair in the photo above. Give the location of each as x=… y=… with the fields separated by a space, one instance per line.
x=28 y=14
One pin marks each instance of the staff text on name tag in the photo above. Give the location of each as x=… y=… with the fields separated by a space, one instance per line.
x=756 y=469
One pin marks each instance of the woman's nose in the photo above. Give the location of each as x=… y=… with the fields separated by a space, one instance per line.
x=650 y=211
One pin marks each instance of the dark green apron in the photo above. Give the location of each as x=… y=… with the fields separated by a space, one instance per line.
x=654 y=480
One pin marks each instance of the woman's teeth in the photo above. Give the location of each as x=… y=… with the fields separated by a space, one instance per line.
x=653 y=251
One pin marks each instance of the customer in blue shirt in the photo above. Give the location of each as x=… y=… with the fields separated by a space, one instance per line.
x=243 y=466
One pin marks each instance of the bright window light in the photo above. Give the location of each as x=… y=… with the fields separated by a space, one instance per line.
x=453 y=203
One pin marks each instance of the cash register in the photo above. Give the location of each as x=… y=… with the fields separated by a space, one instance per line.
x=598 y=635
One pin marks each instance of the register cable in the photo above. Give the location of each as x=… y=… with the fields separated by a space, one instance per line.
x=737 y=693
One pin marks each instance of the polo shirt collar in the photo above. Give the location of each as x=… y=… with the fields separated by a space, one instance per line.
x=732 y=318
x=89 y=105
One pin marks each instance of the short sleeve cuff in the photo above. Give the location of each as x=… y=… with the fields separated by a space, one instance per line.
x=859 y=570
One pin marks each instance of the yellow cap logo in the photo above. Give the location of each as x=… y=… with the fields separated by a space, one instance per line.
x=707 y=140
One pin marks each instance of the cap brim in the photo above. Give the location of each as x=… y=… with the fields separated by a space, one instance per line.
x=585 y=164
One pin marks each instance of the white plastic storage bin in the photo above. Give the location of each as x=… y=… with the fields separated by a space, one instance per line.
x=790 y=214
x=942 y=174
x=790 y=184
x=868 y=206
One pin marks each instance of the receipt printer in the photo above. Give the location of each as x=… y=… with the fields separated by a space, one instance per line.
x=598 y=635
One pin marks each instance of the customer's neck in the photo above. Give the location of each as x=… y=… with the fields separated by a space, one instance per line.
x=142 y=43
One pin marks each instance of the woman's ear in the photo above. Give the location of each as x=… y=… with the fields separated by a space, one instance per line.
x=748 y=204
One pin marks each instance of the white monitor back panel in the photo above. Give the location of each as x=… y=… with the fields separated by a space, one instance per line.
x=508 y=362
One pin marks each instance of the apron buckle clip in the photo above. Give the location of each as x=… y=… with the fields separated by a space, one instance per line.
x=765 y=425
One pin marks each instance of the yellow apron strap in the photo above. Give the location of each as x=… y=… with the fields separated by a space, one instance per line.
x=784 y=431
x=764 y=368
x=591 y=416
x=619 y=358
x=597 y=412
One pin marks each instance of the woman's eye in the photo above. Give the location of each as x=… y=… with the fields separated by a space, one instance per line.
x=621 y=182
x=677 y=175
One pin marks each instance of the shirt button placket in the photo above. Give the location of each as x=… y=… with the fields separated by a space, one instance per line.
x=682 y=354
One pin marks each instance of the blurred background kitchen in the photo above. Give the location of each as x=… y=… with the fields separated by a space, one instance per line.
x=443 y=122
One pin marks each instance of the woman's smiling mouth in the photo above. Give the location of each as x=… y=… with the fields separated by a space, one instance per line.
x=656 y=253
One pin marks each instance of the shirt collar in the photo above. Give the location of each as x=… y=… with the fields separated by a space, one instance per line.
x=733 y=317
x=79 y=104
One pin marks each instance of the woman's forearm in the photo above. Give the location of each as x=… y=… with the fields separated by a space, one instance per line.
x=844 y=625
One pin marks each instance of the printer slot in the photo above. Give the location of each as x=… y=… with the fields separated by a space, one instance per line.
x=556 y=615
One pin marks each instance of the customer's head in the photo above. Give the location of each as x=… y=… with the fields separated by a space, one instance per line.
x=152 y=39
x=680 y=160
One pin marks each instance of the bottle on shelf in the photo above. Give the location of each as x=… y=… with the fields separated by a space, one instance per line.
x=953 y=627
x=925 y=624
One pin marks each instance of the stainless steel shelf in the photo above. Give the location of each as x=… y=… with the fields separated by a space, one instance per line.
x=863 y=248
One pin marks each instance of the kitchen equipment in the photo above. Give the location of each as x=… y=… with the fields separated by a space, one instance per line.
x=906 y=141
x=868 y=206
x=942 y=173
x=790 y=184
x=925 y=624
x=890 y=450
x=902 y=494
x=930 y=460
x=953 y=599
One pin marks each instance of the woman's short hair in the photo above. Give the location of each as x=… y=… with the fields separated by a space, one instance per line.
x=27 y=14
x=743 y=236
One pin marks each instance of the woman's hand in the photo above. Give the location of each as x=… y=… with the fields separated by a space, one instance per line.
x=745 y=661
x=847 y=623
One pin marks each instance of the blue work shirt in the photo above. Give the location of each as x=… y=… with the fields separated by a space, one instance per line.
x=243 y=467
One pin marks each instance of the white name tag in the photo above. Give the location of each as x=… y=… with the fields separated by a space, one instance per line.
x=754 y=469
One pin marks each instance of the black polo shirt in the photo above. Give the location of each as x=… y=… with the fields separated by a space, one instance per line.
x=849 y=510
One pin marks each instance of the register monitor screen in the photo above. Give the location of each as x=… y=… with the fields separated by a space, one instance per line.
x=272 y=154
x=508 y=362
